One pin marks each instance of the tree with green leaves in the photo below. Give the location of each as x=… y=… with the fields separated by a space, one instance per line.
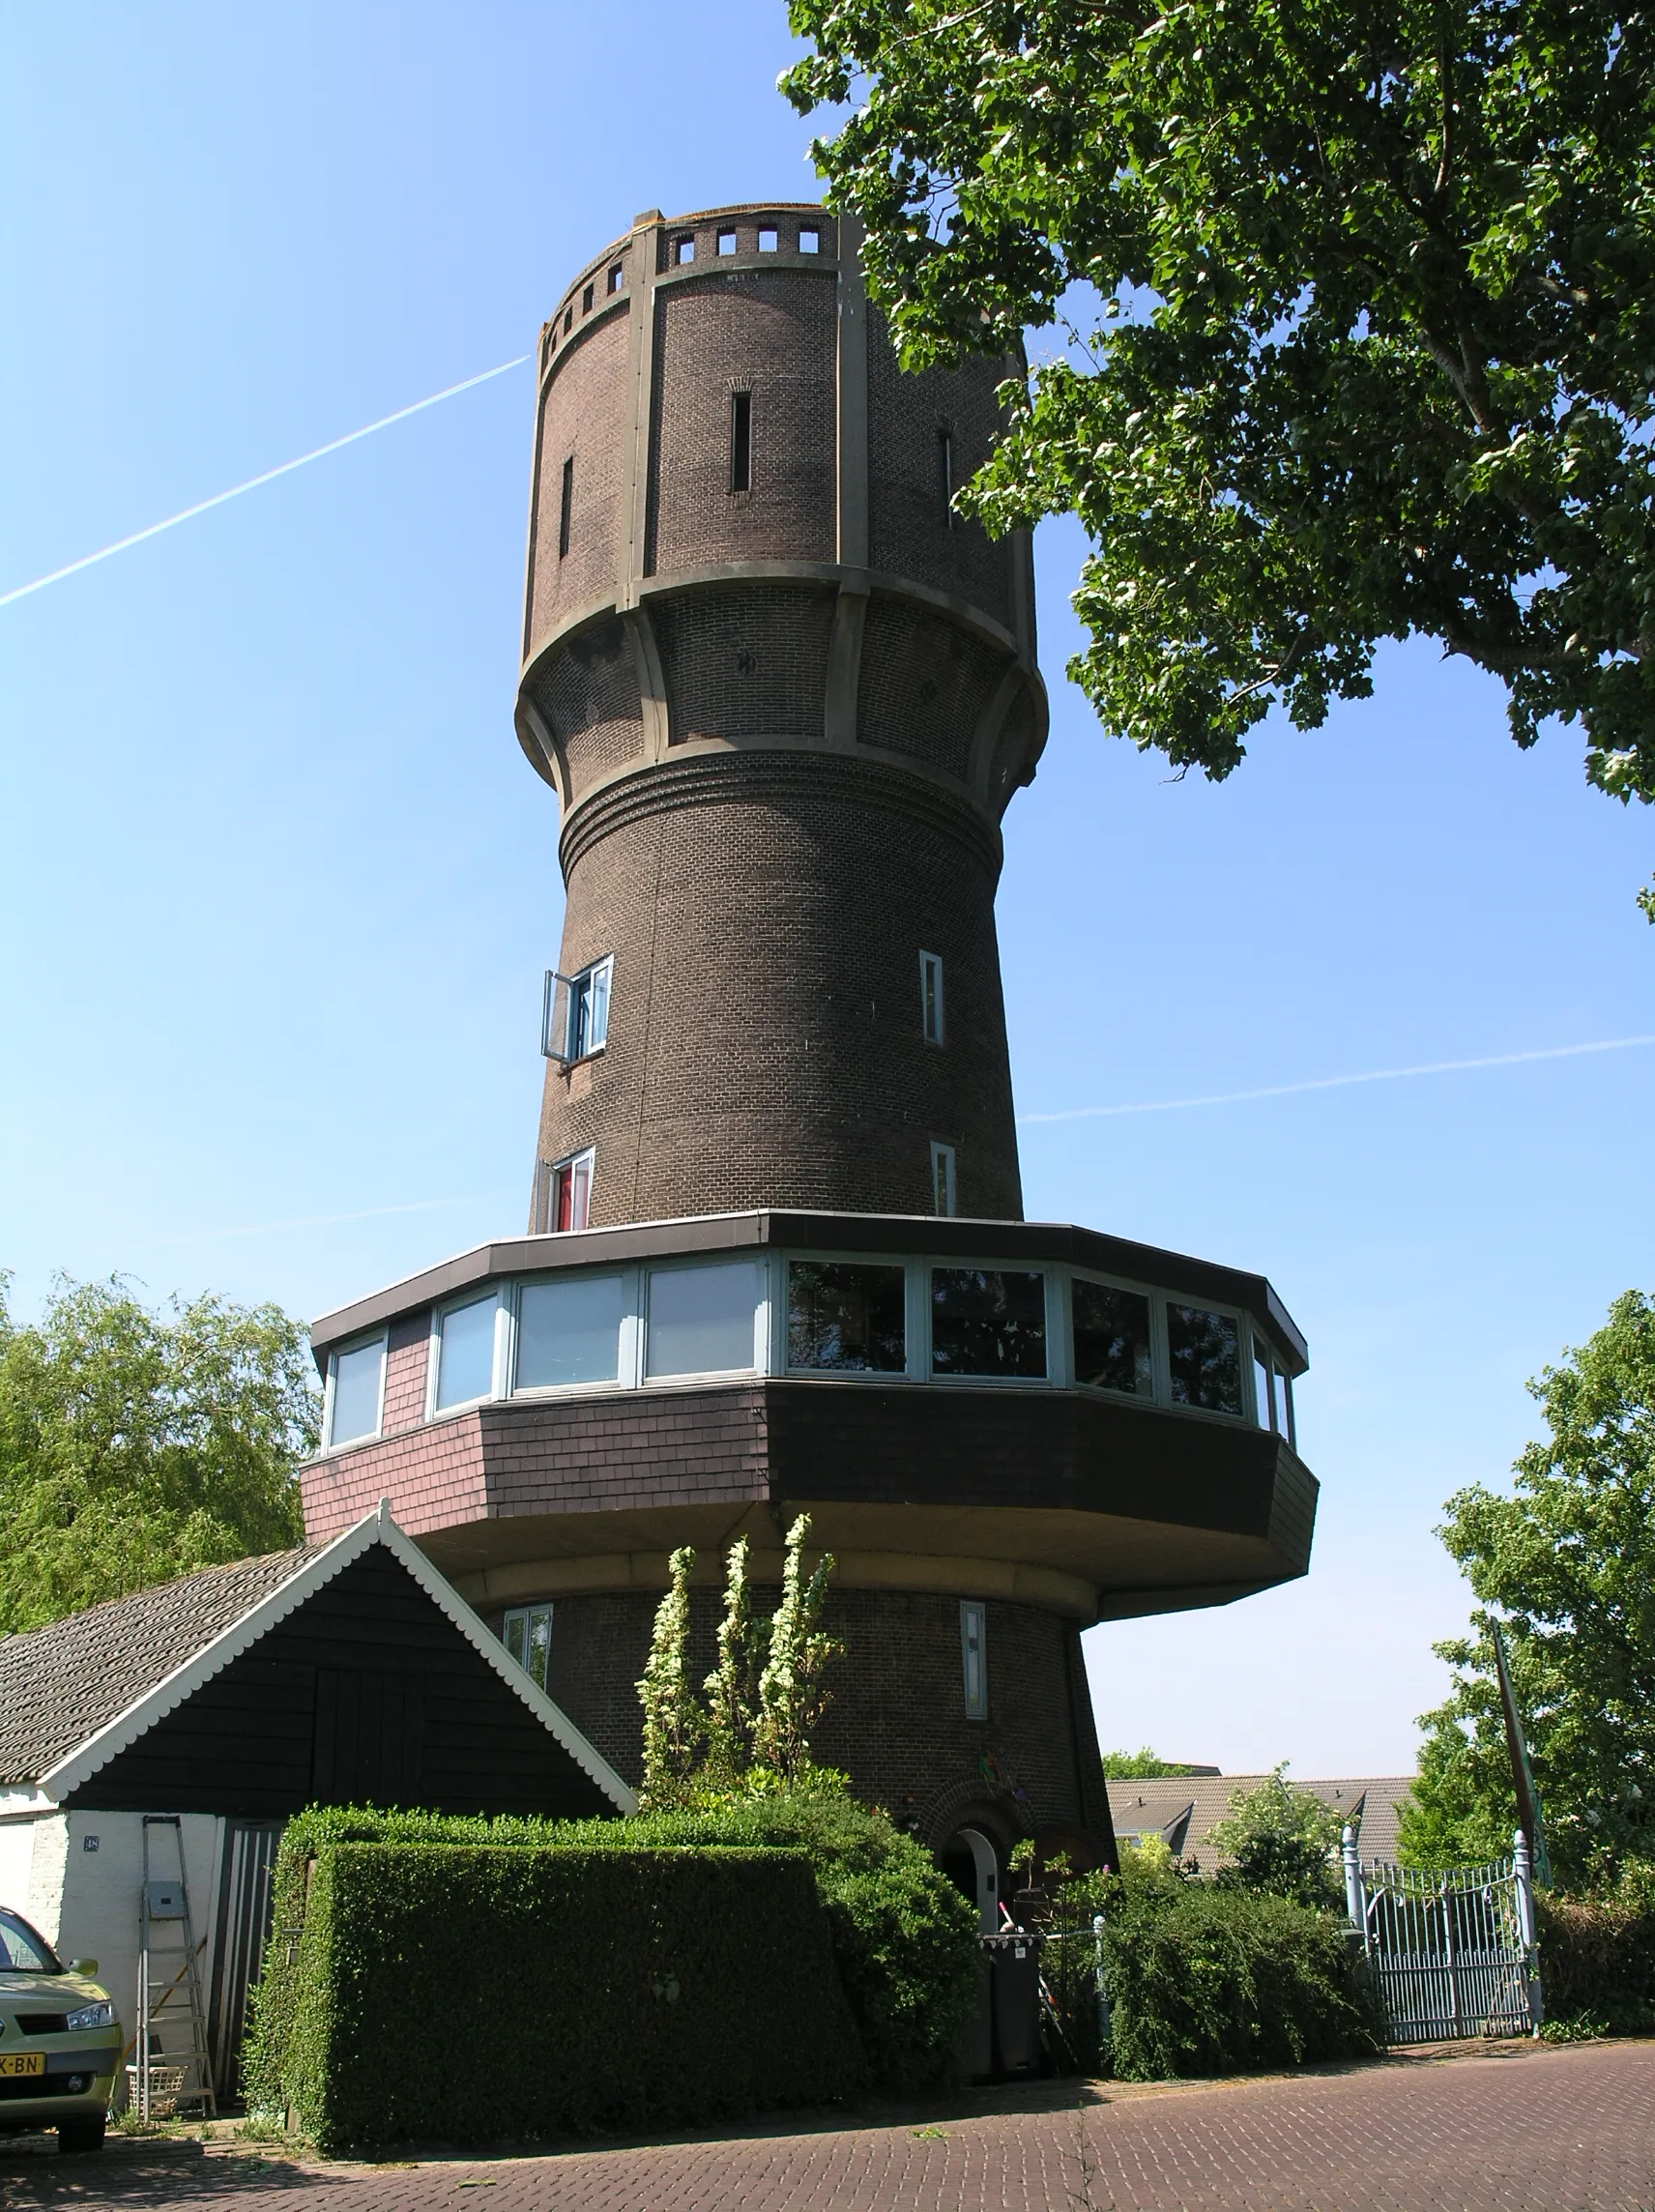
x=730 y=1688
x=1283 y=1842
x=1358 y=299
x=675 y=1726
x=792 y=1696
x=1143 y=1765
x=138 y=1446
x=1566 y=1566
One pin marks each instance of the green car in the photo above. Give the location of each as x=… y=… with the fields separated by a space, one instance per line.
x=59 y=2042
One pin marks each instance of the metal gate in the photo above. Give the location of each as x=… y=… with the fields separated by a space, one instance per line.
x=1453 y=1954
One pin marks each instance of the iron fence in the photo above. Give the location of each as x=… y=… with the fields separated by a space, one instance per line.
x=1452 y=1953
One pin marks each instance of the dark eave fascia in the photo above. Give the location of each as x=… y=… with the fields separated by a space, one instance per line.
x=632 y=1243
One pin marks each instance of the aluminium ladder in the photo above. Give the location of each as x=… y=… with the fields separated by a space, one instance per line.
x=173 y=2066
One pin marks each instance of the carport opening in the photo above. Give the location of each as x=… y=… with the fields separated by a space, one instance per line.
x=968 y=1859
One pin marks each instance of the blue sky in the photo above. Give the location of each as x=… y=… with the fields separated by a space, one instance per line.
x=279 y=887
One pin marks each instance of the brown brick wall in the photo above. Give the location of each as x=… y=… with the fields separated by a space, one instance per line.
x=746 y=660
x=770 y=334
x=896 y=1722
x=581 y=414
x=433 y=1477
x=765 y=1039
x=925 y=681
x=587 y=697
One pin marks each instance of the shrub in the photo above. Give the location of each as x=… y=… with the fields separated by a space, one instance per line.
x=480 y=1990
x=902 y=1937
x=1221 y=1981
x=1597 y=1958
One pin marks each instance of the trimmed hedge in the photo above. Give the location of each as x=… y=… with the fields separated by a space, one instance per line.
x=901 y=1937
x=1220 y=1981
x=1597 y=1961
x=473 y=1992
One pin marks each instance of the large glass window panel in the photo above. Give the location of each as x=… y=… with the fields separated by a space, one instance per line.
x=570 y=1331
x=465 y=1354
x=1204 y=1352
x=1112 y=1338
x=701 y=1319
x=987 y=1322
x=356 y=1393
x=845 y=1318
x=527 y=1633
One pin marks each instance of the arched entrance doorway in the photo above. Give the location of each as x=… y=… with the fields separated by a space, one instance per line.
x=969 y=1860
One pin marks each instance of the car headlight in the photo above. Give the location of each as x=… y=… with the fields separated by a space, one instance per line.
x=92 y=2016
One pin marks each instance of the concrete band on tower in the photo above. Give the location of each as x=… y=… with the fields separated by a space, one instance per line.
x=775 y=1259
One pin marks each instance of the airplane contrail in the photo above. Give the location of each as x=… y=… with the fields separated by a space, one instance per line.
x=87 y=560
x=1339 y=1082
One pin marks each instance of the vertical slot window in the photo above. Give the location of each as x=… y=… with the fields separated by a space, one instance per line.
x=1262 y=1407
x=942 y=1180
x=683 y=251
x=617 y=277
x=527 y=1635
x=945 y=473
x=974 y=1656
x=566 y=509
x=931 y=997
x=359 y=1382
x=741 y=441
x=568 y=320
x=585 y=301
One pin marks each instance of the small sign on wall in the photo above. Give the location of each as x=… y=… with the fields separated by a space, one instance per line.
x=89 y=1843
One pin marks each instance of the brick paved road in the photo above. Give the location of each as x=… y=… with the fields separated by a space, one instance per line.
x=1560 y=2130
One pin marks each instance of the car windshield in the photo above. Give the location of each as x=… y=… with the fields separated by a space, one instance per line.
x=22 y=1949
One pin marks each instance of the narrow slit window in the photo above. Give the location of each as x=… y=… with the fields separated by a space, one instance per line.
x=566 y=512
x=931 y=997
x=943 y=1179
x=768 y=240
x=974 y=1656
x=683 y=251
x=741 y=441
x=585 y=301
x=945 y=473
x=617 y=277
x=810 y=242
x=568 y=320
x=726 y=242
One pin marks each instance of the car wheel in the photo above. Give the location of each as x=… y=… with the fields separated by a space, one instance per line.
x=74 y=2137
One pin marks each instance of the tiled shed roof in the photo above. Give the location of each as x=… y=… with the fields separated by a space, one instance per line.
x=61 y=1684
x=1185 y=1808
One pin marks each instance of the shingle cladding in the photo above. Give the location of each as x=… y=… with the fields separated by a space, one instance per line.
x=61 y=1684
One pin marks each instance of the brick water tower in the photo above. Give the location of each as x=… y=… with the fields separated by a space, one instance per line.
x=775 y=1259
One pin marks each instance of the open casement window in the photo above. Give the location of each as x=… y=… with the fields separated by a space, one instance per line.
x=974 y=1656
x=574 y=1012
x=563 y=1194
x=931 y=997
x=527 y=1635
x=356 y=1393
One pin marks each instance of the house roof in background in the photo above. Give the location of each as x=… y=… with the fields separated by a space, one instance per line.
x=1185 y=1808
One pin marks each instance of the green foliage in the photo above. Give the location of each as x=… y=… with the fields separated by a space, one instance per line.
x=475 y=1991
x=136 y=1446
x=1567 y=1564
x=1597 y=1959
x=674 y=1728
x=1285 y=1843
x=902 y=1937
x=1225 y=1981
x=1373 y=348
x=1143 y=1765
x=691 y=1752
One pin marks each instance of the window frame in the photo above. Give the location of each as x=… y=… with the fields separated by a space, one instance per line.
x=626 y=1350
x=616 y=280
x=973 y=1611
x=1159 y=1392
x=812 y=231
x=583 y=978
x=1226 y=1312
x=526 y=1615
x=684 y=249
x=566 y=510
x=782 y=1302
x=764 y=1309
x=931 y=966
x=773 y=231
x=471 y=1296
x=1048 y=1272
x=335 y=1352
x=725 y=252
x=945 y=1156
x=741 y=441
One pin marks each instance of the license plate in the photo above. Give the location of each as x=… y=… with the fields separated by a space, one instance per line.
x=14 y=2062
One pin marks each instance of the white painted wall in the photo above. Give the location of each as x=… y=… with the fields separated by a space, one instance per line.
x=17 y=1858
